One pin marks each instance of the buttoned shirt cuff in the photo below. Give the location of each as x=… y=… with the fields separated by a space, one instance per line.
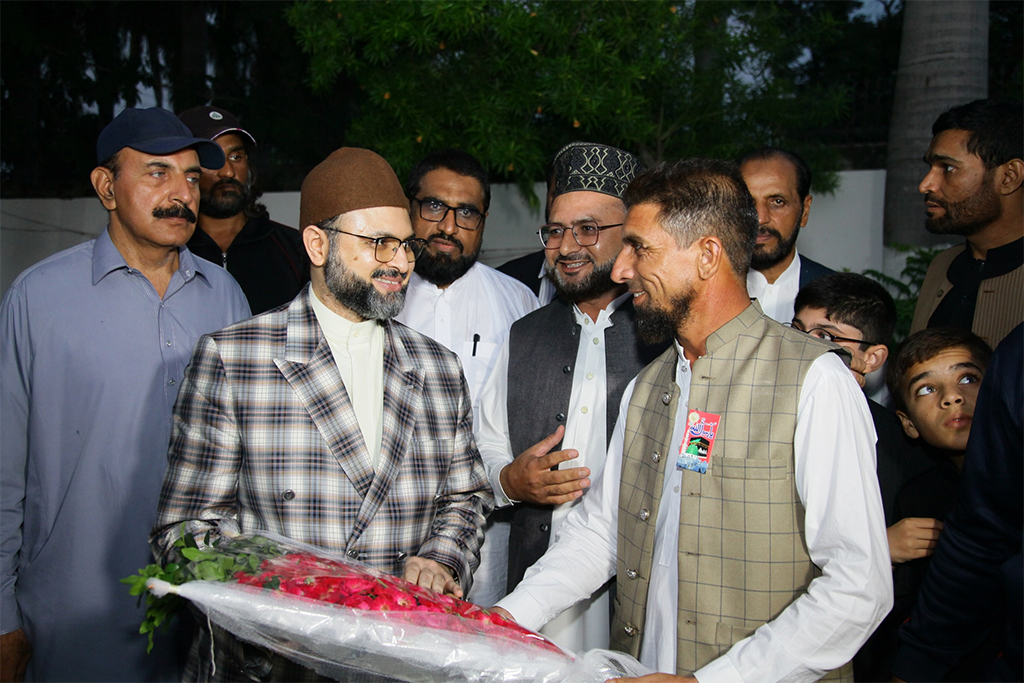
x=500 y=499
x=10 y=615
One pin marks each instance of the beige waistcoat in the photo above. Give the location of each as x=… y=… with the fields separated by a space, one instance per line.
x=1000 y=302
x=742 y=557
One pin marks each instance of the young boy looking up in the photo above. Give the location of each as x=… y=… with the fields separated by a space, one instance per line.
x=934 y=380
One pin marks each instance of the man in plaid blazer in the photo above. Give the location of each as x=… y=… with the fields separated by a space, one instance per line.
x=327 y=422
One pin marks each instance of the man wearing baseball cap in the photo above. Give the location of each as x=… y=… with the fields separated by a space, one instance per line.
x=234 y=229
x=326 y=420
x=95 y=343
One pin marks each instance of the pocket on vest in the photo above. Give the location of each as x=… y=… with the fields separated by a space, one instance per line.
x=751 y=468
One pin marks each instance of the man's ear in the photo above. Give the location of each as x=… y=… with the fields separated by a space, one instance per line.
x=710 y=256
x=103 y=182
x=807 y=210
x=875 y=357
x=908 y=425
x=317 y=245
x=1009 y=181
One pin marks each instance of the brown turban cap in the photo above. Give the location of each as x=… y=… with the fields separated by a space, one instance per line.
x=348 y=180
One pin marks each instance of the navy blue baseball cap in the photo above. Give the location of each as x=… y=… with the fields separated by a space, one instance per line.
x=154 y=131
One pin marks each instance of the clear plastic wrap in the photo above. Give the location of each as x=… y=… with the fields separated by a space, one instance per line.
x=337 y=616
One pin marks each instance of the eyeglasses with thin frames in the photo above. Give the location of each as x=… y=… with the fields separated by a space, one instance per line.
x=585 y=233
x=434 y=210
x=385 y=248
x=820 y=333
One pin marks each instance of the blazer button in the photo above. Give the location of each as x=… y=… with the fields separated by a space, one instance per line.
x=288 y=495
x=353 y=553
x=631 y=573
x=545 y=527
x=402 y=556
x=630 y=630
x=560 y=417
x=567 y=369
x=655 y=456
x=666 y=398
x=645 y=514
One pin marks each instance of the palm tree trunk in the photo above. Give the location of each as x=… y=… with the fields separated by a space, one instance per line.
x=943 y=63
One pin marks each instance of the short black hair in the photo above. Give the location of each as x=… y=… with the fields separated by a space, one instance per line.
x=996 y=128
x=926 y=344
x=803 y=171
x=852 y=299
x=456 y=161
x=697 y=197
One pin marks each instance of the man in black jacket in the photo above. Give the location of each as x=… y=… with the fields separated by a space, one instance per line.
x=234 y=230
x=562 y=372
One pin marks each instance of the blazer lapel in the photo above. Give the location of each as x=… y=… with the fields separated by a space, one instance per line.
x=311 y=372
x=403 y=388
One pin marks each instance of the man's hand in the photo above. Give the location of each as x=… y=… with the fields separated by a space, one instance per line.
x=432 y=575
x=503 y=612
x=529 y=477
x=15 y=651
x=913 y=538
x=858 y=367
x=655 y=678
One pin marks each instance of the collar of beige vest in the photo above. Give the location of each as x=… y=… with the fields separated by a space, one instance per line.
x=732 y=329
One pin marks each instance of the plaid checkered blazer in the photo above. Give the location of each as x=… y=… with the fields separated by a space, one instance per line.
x=265 y=437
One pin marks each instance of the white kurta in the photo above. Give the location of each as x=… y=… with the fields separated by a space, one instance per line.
x=585 y=625
x=844 y=533
x=363 y=379
x=776 y=299
x=472 y=317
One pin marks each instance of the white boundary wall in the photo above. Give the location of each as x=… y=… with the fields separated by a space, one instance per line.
x=844 y=230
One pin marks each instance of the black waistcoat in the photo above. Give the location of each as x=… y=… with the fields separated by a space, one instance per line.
x=542 y=359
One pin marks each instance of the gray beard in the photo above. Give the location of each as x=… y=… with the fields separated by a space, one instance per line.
x=359 y=295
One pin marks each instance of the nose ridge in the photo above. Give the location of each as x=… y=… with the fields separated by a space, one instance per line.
x=622 y=268
x=927 y=184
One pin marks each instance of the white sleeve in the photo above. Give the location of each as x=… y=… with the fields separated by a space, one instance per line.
x=492 y=437
x=845 y=534
x=583 y=555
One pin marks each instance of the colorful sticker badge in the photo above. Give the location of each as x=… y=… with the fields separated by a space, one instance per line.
x=695 y=450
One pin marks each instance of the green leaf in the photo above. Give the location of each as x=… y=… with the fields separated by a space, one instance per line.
x=192 y=554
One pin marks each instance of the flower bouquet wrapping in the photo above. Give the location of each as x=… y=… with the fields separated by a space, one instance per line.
x=337 y=616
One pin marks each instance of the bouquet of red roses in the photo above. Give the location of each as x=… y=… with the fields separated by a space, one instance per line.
x=335 y=615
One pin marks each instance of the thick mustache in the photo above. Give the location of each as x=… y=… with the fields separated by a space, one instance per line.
x=934 y=200
x=578 y=256
x=387 y=272
x=175 y=211
x=765 y=230
x=227 y=182
x=440 y=236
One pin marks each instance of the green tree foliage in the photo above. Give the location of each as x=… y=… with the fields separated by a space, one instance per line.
x=512 y=81
x=67 y=67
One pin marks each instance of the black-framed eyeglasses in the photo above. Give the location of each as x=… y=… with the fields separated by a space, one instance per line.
x=585 y=233
x=385 y=248
x=434 y=210
x=820 y=333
